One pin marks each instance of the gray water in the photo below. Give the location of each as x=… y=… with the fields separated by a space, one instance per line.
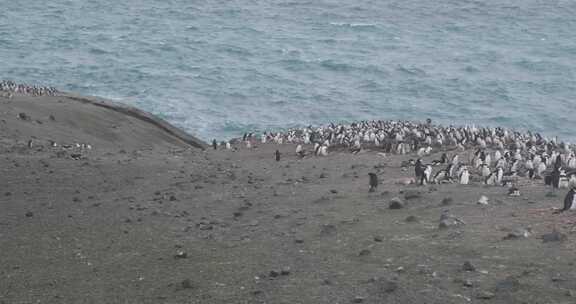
x=219 y=68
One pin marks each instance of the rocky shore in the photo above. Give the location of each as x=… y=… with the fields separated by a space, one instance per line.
x=102 y=203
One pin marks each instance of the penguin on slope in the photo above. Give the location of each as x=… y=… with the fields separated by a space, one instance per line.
x=569 y=202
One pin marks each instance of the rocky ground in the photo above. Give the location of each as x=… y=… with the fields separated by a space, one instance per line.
x=140 y=216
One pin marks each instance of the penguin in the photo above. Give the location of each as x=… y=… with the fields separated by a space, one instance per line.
x=464 y=176
x=443 y=175
x=248 y=145
x=277 y=154
x=563 y=181
x=484 y=170
x=569 y=202
x=298 y=149
x=214 y=144
x=373 y=182
x=513 y=191
x=444 y=158
x=418 y=168
x=427 y=175
x=541 y=168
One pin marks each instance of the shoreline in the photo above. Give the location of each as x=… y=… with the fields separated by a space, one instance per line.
x=103 y=206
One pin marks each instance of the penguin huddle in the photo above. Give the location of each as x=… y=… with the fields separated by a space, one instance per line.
x=11 y=87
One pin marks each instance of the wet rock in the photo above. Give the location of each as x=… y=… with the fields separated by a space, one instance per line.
x=467 y=266
x=396 y=203
x=468 y=283
x=554 y=236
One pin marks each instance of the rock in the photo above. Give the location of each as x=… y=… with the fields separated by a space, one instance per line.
x=274 y=273
x=298 y=240
x=333 y=191
x=389 y=286
x=467 y=266
x=509 y=284
x=396 y=203
x=173 y=198
x=468 y=283
x=553 y=236
x=412 y=194
x=328 y=229
x=323 y=175
x=447 y=201
x=285 y=271
x=358 y=299
x=484 y=295
x=29 y=214
x=517 y=234
x=254 y=223
x=483 y=200
x=23 y=116
x=186 y=284
x=181 y=254
x=412 y=219
x=378 y=239
x=364 y=252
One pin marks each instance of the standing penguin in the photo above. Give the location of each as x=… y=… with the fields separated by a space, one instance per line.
x=214 y=144
x=569 y=200
x=464 y=176
x=373 y=182
x=277 y=155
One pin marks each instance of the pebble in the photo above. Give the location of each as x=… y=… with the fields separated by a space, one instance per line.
x=467 y=266
x=412 y=219
x=553 y=236
x=484 y=295
x=181 y=254
x=396 y=203
x=29 y=214
x=412 y=194
x=186 y=284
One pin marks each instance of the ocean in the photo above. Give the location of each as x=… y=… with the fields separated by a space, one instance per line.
x=220 y=68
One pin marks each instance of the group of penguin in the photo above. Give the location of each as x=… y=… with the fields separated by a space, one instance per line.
x=515 y=154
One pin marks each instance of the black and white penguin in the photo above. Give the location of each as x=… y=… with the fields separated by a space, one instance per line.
x=373 y=182
x=443 y=175
x=464 y=176
x=569 y=202
x=214 y=144
x=277 y=154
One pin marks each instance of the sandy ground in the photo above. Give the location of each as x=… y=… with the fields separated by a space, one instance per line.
x=143 y=217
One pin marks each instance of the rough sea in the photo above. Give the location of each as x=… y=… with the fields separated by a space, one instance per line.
x=218 y=68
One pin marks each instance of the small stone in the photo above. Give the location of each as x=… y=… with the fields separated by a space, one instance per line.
x=389 y=286
x=254 y=223
x=468 y=283
x=467 y=266
x=181 y=254
x=483 y=200
x=484 y=295
x=364 y=252
x=396 y=203
x=298 y=240
x=23 y=116
x=412 y=194
x=378 y=239
x=186 y=284
x=553 y=236
x=508 y=284
x=334 y=191
x=29 y=214
x=285 y=271
x=447 y=201
x=274 y=273
x=358 y=300
x=173 y=198
x=412 y=219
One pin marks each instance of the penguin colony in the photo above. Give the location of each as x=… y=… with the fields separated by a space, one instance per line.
x=501 y=156
x=9 y=88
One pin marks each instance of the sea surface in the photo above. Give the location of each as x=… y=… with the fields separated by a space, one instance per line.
x=219 y=68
